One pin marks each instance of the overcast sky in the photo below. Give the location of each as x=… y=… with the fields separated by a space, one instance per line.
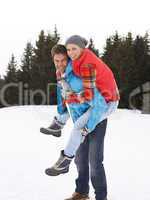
x=22 y=20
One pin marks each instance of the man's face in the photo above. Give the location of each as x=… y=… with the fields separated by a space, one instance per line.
x=60 y=61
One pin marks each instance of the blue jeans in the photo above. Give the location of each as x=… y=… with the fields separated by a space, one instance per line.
x=90 y=156
x=76 y=137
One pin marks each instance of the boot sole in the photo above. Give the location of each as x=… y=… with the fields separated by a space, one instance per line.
x=47 y=132
x=55 y=174
x=80 y=199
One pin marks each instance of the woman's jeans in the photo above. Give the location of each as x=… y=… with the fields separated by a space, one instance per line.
x=89 y=160
x=76 y=137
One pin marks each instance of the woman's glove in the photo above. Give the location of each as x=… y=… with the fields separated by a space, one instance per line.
x=84 y=133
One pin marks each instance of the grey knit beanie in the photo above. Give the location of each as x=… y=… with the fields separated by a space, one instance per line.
x=78 y=40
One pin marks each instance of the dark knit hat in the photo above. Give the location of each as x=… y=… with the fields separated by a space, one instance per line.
x=78 y=40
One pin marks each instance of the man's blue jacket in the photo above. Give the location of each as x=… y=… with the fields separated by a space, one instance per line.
x=98 y=104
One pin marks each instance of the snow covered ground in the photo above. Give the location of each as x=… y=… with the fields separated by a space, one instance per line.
x=25 y=153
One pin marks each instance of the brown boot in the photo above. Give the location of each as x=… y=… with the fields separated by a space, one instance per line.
x=78 y=196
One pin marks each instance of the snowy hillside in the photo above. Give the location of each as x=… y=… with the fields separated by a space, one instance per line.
x=25 y=153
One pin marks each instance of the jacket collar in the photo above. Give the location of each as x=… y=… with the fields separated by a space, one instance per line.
x=77 y=63
x=68 y=69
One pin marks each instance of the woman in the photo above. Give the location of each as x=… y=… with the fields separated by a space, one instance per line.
x=85 y=64
x=90 y=153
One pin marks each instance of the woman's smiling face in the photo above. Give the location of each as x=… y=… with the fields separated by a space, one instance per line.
x=74 y=51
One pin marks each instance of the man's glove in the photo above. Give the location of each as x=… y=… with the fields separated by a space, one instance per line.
x=66 y=89
x=66 y=94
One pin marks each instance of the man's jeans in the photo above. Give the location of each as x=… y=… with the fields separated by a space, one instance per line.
x=90 y=153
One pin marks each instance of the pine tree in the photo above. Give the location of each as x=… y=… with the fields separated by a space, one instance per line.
x=12 y=94
x=142 y=57
x=129 y=59
x=118 y=54
x=147 y=57
x=43 y=69
x=2 y=82
x=26 y=64
x=127 y=64
x=91 y=46
x=11 y=73
x=112 y=56
x=24 y=73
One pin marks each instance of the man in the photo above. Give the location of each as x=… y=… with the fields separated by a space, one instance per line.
x=90 y=151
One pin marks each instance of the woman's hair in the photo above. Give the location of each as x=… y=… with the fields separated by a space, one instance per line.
x=77 y=40
x=58 y=49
